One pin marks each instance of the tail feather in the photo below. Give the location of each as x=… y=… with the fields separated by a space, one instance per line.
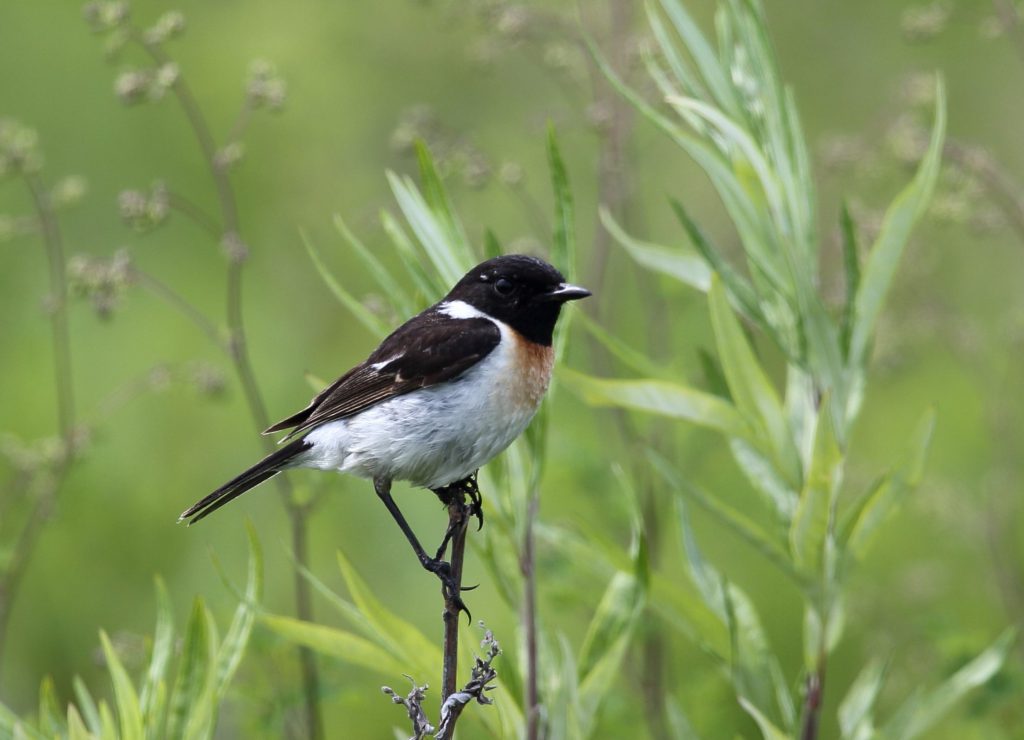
x=265 y=469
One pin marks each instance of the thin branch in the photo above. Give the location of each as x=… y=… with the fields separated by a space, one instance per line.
x=58 y=307
x=458 y=521
x=63 y=380
x=238 y=348
x=178 y=302
x=813 y=698
x=196 y=214
x=1006 y=193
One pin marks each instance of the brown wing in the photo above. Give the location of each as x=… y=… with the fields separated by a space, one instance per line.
x=428 y=349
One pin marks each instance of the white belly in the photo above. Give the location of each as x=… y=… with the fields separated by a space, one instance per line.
x=438 y=435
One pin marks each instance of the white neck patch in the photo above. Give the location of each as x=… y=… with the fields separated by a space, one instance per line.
x=462 y=310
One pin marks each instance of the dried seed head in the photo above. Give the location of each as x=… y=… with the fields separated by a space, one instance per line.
x=19 y=148
x=68 y=191
x=265 y=88
x=168 y=26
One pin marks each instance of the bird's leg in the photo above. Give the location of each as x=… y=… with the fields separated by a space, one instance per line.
x=443 y=570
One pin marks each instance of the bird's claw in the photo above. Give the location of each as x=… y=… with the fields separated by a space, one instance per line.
x=450 y=588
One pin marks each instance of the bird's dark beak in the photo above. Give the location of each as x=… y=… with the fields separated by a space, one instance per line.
x=566 y=292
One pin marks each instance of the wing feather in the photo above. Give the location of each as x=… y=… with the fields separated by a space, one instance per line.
x=429 y=349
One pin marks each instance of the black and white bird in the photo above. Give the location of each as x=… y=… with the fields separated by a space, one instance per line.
x=441 y=396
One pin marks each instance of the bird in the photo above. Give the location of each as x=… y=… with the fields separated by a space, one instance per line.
x=439 y=397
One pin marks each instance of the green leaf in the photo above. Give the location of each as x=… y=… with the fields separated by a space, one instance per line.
x=745 y=528
x=362 y=314
x=186 y=704
x=128 y=712
x=756 y=674
x=855 y=710
x=716 y=78
x=659 y=397
x=765 y=480
x=232 y=649
x=163 y=647
x=925 y=708
x=678 y=724
x=741 y=293
x=429 y=285
x=76 y=727
x=681 y=263
x=341 y=644
x=563 y=245
x=750 y=388
x=633 y=359
x=888 y=248
x=442 y=210
x=811 y=522
x=851 y=274
x=87 y=705
x=769 y=731
x=406 y=642
x=51 y=718
x=863 y=522
x=396 y=294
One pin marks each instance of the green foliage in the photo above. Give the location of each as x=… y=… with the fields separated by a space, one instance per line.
x=174 y=698
x=739 y=123
x=377 y=638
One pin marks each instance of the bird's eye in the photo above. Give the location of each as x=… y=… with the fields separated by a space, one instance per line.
x=504 y=286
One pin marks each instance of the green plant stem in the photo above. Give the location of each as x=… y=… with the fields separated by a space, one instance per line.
x=238 y=348
x=531 y=699
x=196 y=213
x=176 y=301
x=43 y=499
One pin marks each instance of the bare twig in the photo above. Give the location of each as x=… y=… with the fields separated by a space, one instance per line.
x=458 y=522
x=475 y=690
x=413 y=703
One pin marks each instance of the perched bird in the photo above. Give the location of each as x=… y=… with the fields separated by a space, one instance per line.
x=441 y=396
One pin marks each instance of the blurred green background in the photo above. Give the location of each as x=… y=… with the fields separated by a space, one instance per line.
x=479 y=83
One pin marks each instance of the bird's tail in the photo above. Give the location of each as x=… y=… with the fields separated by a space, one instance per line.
x=265 y=469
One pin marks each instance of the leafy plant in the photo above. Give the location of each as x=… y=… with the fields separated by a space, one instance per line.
x=729 y=110
x=548 y=688
x=176 y=697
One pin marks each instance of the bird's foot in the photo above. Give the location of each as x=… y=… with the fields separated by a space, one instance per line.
x=468 y=487
x=450 y=587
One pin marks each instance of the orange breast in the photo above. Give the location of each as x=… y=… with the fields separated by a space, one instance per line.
x=534 y=362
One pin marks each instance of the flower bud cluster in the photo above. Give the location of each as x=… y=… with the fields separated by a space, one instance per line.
x=102 y=282
x=144 y=211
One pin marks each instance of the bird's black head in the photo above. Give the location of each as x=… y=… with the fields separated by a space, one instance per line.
x=524 y=292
